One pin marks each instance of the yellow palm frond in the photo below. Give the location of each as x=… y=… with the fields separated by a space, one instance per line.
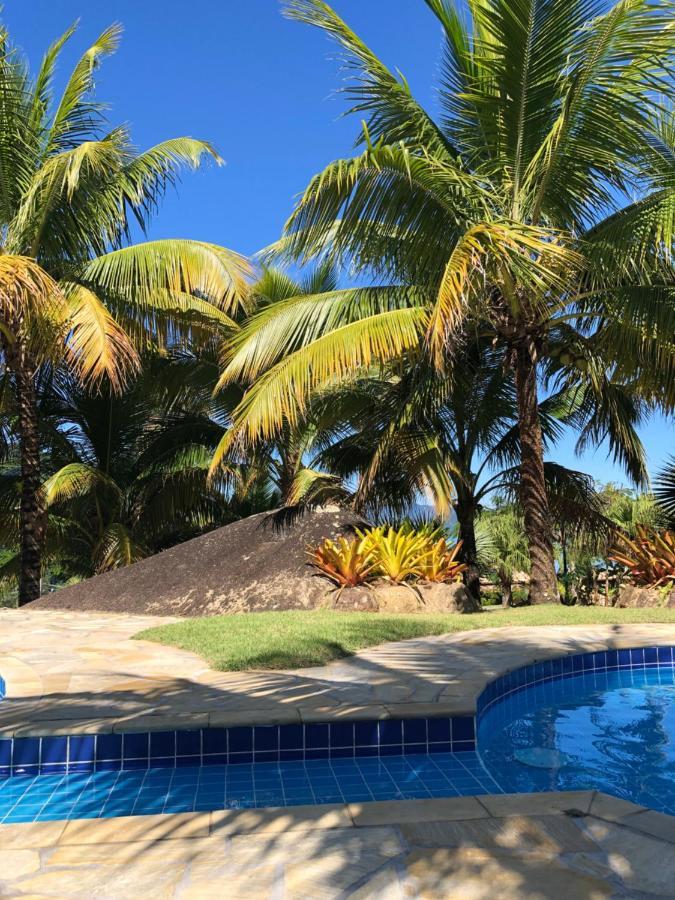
x=27 y=291
x=97 y=347
x=184 y=266
x=507 y=254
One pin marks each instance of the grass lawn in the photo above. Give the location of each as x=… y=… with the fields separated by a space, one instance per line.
x=289 y=640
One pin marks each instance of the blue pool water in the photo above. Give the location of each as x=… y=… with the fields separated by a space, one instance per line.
x=610 y=731
x=596 y=721
x=188 y=789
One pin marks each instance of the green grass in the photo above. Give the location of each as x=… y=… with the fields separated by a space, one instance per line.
x=290 y=640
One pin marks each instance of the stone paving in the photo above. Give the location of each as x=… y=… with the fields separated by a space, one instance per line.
x=72 y=672
x=576 y=846
x=81 y=672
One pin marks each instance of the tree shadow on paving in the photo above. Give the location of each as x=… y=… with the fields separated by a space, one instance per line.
x=515 y=857
x=411 y=671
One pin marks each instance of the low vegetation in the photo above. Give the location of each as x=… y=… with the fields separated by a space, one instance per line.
x=399 y=555
x=649 y=557
x=293 y=640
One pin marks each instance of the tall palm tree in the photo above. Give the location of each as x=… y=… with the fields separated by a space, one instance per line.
x=125 y=475
x=73 y=288
x=454 y=439
x=542 y=199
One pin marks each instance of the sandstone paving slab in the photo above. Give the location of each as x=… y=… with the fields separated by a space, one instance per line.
x=549 y=803
x=657 y=824
x=140 y=828
x=472 y=874
x=64 y=670
x=290 y=818
x=612 y=809
x=386 y=812
x=641 y=863
x=534 y=834
x=327 y=855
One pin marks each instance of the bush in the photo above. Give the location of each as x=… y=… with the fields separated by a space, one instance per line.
x=400 y=555
x=649 y=557
x=347 y=563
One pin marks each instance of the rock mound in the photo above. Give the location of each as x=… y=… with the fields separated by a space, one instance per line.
x=634 y=597
x=253 y=565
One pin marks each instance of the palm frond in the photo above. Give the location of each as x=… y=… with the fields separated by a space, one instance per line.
x=392 y=112
x=76 y=481
x=139 y=271
x=664 y=488
x=77 y=113
x=97 y=348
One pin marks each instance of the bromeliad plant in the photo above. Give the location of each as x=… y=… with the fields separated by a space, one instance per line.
x=441 y=565
x=348 y=563
x=649 y=557
x=398 y=555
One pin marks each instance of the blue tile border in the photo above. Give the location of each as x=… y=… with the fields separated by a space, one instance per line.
x=230 y=746
x=562 y=667
x=311 y=741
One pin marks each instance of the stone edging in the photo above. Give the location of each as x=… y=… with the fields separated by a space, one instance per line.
x=232 y=822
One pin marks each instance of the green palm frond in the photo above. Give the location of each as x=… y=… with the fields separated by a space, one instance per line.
x=295 y=322
x=664 y=488
x=77 y=112
x=76 y=481
x=392 y=112
x=187 y=267
x=282 y=393
x=117 y=548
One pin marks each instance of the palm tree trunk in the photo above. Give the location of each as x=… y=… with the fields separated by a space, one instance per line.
x=506 y=588
x=32 y=505
x=466 y=519
x=533 y=496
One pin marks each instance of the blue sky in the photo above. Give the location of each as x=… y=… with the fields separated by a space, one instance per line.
x=259 y=87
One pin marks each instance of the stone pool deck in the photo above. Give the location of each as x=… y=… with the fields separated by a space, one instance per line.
x=573 y=846
x=73 y=673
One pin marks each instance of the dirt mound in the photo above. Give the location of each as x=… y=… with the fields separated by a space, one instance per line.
x=256 y=564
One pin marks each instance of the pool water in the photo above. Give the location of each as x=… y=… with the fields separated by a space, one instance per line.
x=610 y=731
x=600 y=721
x=195 y=788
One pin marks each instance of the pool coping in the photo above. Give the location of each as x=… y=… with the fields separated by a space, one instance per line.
x=22 y=681
x=233 y=822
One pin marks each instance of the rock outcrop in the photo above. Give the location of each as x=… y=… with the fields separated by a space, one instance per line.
x=259 y=563
x=632 y=596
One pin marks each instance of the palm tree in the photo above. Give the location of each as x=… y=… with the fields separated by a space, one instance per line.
x=539 y=203
x=412 y=432
x=292 y=457
x=73 y=288
x=504 y=546
x=664 y=490
x=126 y=474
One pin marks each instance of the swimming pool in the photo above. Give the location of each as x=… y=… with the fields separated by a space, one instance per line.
x=612 y=731
x=602 y=720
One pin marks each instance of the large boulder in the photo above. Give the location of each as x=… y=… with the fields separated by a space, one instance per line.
x=633 y=596
x=384 y=597
x=259 y=563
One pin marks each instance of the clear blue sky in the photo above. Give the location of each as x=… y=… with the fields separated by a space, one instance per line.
x=259 y=87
